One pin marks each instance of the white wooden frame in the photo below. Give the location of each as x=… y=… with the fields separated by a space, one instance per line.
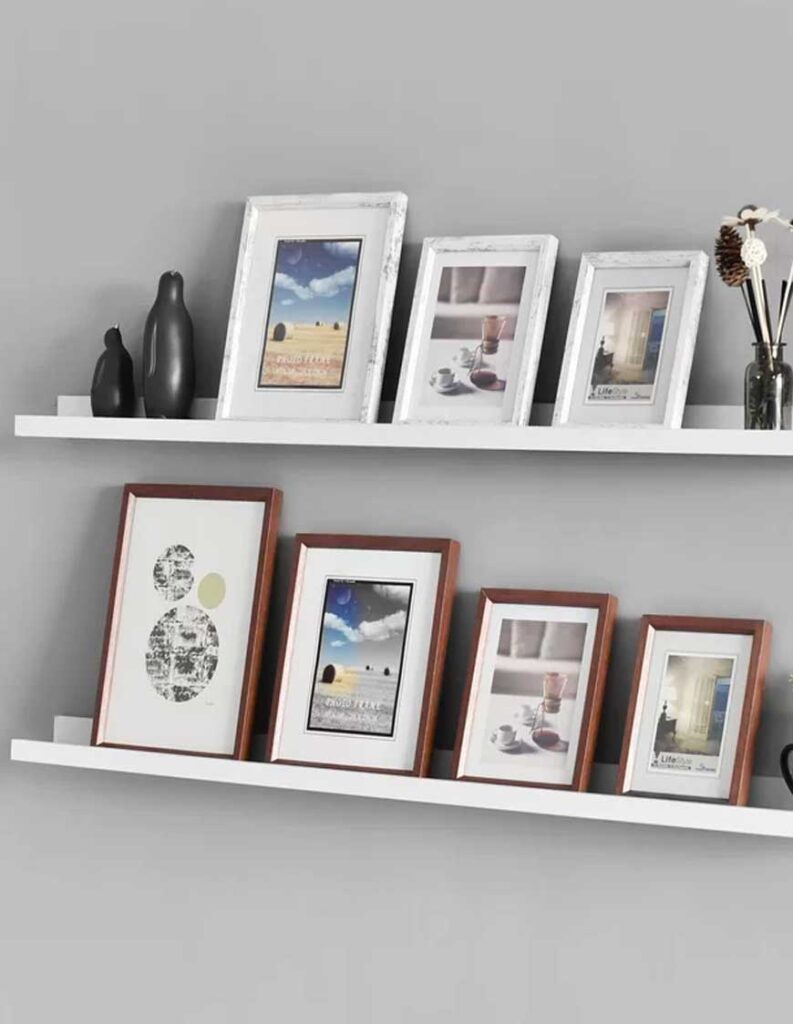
x=395 y=204
x=572 y=366
x=432 y=253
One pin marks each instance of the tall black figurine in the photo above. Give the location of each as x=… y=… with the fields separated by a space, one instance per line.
x=113 y=387
x=168 y=362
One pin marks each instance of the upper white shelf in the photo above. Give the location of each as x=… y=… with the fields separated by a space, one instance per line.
x=709 y=430
x=671 y=813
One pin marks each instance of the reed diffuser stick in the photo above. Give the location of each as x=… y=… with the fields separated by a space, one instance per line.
x=783 y=310
x=754 y=263
x=751 y=309
x=762 y=310
x=767 y=306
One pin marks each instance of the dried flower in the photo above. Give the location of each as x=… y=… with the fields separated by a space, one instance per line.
x=750 y=216
x=731 y=268
x=754 y=252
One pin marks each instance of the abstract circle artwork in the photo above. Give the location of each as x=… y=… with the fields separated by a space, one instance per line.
x=182 y=653
x=173 y=572
x=211 y=590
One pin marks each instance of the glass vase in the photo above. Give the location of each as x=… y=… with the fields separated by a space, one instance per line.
x=768 y=391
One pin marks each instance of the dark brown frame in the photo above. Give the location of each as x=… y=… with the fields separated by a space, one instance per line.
x=596 y=684
x=760 y=631
x=261 y=596
x=449 y=550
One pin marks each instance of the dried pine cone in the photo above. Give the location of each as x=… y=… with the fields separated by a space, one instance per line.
x=732 y=270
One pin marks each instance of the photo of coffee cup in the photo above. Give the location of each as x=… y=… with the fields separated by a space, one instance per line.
x=526 y=714
x=443 y=379
x=504 y=736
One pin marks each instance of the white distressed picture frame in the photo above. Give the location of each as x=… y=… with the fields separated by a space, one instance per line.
x=533 y=317
x=394 y=206
x=574 y=364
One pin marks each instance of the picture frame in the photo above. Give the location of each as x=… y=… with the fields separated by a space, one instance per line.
x=476 y=329
x=311 y=308
x=176 y=677
x=694 y=708
x=362 y=654
x=521 y=722
x=630 y=340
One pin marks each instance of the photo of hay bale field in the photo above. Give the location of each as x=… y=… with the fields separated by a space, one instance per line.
x=304 y=355
x=358 y=699
x=359 y=659
x=308 y=324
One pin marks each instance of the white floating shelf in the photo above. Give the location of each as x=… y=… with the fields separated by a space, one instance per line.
x=709 y=430
x=674 y=814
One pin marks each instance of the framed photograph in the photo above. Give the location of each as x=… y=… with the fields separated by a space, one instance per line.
x=695 y=708
x=535 y=685
x=311 y=310
x=631 y=339
x=362 y=657
x=476 y=329
x=186 y=619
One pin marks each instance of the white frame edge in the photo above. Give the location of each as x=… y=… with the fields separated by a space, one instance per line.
x=547 y=247
x=697 y=262
x=396 y=203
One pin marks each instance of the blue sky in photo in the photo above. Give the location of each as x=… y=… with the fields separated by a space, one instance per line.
x=314 y=280
x=364 y=623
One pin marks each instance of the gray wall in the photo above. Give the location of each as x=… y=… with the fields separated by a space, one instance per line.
x=130 y=135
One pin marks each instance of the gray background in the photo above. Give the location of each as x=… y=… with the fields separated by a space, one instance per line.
x=130 y=136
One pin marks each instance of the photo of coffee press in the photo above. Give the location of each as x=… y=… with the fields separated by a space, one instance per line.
x=483 y=373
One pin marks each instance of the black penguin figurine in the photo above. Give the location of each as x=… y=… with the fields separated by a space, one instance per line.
x=168 y=362
x=113 y=387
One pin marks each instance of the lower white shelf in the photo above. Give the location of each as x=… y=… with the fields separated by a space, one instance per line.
x=674 y=814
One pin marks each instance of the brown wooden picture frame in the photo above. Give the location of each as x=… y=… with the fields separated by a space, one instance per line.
x=607 y=608
x=271 y=497
x=449 y=550
x=760 y=631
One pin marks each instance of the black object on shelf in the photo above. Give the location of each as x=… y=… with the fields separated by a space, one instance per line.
x=784 y=764
x=168 y=360
x=113 y=387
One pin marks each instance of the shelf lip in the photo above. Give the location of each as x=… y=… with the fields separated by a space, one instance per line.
x=616 y=440
x=448 y=793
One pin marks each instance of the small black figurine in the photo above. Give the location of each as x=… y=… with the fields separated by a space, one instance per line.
x=168 y=363
x=113 y=388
